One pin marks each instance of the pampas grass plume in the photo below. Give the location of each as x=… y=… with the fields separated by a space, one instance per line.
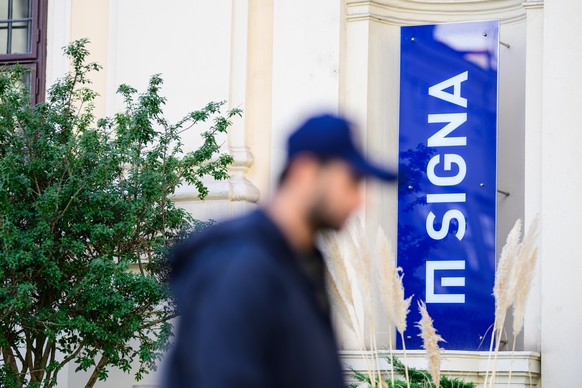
x=503 y=275
x=341 y=255
x=391 y=281
x=385 y=272
x=430 y=340
x=503 y=291
x=401 y=305
x=338 y=279
x=337 y=300
x=361 y=259
x=527 y=259
x=354 y=240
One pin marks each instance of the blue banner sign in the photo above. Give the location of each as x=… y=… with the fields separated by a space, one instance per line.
x=447 y=178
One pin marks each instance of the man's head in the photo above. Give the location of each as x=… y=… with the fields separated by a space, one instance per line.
x=325 y=170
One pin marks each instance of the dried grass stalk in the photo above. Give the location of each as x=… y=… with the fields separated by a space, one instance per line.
x=391 y=282
x=340 y=252
x=385 y=272
x=361 y=259
x=357 y=275
x=526 y=262
x=513 y=281
x=503 y=275
x=401 y=305
x=391 y=290
x=358 y=279
x=339 y=284
x=503 y=289
x=338 y=301
x=430 y=340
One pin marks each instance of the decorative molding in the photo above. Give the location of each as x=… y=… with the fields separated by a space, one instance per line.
x=236 y=188
x=243 y=157
x=241 y=189
x=533 y=4
x=407 y=12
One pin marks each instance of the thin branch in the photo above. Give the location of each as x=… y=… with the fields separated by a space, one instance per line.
x=194 y=122
x=16 y=353
x=9 y=358
x=69 y=203
x=72 y=91
x=158 y=321
x=38 y=356
x=51 y=376
x=28 y=356
x=47 y=353
x=53 y=354
x=23 y=372
x=71 y=356
x=95 y=375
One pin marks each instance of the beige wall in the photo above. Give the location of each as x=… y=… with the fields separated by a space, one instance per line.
x=90 y=19
x=258 y=103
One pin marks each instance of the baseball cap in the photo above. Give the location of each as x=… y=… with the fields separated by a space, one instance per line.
x=328 y=136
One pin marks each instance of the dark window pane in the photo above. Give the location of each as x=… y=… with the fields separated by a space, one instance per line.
x=3 y=38
x=26 y=76
x=21 y=9
x=20 y=38
x=3 y=9
x=26 y=81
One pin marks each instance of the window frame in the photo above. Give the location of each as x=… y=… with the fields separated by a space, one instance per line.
x=36 y=59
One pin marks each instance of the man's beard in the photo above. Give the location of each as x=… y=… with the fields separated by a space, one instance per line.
x=321 y=218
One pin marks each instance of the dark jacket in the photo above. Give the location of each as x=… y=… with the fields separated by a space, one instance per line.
x=249 y=314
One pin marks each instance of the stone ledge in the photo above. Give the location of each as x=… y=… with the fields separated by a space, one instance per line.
x=469 y=366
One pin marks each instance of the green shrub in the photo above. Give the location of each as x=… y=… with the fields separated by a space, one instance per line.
x=84 y=208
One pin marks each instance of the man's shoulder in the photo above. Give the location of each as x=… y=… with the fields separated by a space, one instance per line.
x=248 y=240
x=230 y=257
x=240 y=228
x=246 y=231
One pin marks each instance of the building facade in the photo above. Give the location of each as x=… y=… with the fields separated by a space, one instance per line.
x=281 y=60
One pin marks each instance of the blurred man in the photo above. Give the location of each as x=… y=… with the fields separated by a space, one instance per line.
x=251 y=291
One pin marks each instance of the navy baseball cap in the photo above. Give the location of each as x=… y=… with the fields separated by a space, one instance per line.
x=329 y=137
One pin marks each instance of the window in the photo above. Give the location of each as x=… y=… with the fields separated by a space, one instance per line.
x=23 y=40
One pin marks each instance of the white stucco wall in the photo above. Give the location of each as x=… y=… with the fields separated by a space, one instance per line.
x=148 y=37
x=306 y=49
x=561 y=154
